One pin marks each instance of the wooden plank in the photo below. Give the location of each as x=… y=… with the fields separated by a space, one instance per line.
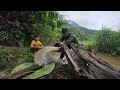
x=100 y=68
x=70 y=59
x=81 y=73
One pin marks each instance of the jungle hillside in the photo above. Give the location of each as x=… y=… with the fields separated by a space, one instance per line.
x=18 y=28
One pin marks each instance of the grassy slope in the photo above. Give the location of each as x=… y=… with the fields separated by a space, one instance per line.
x=12 y=56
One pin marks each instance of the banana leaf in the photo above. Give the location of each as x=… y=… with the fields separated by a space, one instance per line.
x=41 y=72
x=22 y=67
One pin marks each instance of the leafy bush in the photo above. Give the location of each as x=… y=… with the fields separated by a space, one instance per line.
x=108 y=40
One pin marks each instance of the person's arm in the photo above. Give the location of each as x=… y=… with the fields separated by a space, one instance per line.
x=72 y=36
x=32 y=43
x=61 y=39
x=58 y=43
x=41 y=45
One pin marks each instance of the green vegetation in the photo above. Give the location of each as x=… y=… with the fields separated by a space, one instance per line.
x=108 y=41
x=12 y=56
x=105 y=41
x=19 y=27
x=88 y=43
x=22 y=67
x=41 y=72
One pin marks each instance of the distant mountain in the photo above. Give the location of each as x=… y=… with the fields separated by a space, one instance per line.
x=83 y=29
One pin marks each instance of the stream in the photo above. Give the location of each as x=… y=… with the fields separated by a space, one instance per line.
x=113 y=60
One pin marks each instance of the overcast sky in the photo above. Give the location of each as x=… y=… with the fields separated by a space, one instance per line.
x=94 y=19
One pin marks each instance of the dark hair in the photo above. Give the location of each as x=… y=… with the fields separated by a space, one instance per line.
x=64 y=30
x=36 y=36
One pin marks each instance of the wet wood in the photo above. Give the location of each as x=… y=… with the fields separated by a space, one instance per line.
x=70 y=60
x=92 y=66
x=81 y=73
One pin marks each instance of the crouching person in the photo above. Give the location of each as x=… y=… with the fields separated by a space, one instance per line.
x=36 y=44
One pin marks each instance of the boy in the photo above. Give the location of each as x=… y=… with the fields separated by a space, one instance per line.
x=36 y=44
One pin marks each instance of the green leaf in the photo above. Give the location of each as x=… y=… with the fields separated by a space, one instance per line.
x=22 y=67
x=41 y=72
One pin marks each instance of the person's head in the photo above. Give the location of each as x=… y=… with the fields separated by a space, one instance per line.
x=37 y=38
x=65 y=32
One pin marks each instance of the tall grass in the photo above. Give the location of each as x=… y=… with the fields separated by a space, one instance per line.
x=108 y=41
x=88 y=43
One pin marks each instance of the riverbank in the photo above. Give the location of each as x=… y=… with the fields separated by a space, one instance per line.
x=13 y=56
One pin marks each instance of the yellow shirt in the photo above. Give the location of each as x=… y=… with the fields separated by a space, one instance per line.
x=35 y=43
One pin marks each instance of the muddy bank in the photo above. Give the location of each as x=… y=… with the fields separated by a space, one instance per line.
x=62 y=72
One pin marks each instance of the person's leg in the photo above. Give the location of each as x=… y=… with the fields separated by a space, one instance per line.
x=34 y=50
x=69 y=46
x=62 y=53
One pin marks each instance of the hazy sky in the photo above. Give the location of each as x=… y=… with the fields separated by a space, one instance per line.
x=94 y=19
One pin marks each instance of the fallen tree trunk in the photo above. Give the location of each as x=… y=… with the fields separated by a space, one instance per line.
x=89 y=64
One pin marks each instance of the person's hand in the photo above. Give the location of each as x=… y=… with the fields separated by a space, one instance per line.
x=61 y=43
x=42 y=46
x=39 y=47
x=35 y=46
